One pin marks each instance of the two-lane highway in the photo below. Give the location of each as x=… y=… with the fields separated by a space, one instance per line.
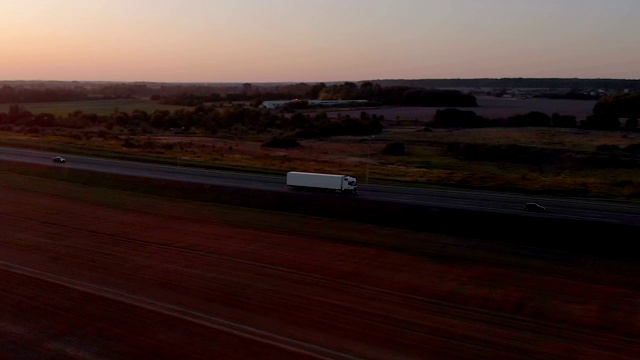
x=499 y=202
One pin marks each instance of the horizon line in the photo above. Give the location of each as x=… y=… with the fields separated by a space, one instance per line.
x=324 y=81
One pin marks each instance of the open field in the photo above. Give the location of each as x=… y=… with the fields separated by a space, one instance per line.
x=94 y=273
x=489 y=107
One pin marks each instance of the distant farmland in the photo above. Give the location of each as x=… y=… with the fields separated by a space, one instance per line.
x=489 y=107
x=99 y=107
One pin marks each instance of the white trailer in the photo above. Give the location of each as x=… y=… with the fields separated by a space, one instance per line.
x=328 y=182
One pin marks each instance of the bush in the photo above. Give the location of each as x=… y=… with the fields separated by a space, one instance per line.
x=451 y=117
x=632 y=149
x=453 y=147
x=563 y=120
x=281 y=143
x=607 y=148
x=394 y=148
x=601 y=122
x=130 y=143
x=533 y=118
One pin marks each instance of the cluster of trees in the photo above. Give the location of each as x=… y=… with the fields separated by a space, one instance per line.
x=190 y=99
x=626 y=105
x=245 y=119
x=469 y=119
x=207 y=118
x=395 y=95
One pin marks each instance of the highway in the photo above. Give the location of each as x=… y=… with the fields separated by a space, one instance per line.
x=493 y=201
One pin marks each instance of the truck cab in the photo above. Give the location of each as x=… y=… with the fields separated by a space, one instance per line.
x=350 y=184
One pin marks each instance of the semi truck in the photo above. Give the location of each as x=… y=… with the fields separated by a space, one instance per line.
x=323 y=182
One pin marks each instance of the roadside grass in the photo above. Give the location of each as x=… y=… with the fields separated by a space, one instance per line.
x=429 y=160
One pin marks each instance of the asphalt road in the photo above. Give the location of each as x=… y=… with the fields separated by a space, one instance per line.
x=498 y=202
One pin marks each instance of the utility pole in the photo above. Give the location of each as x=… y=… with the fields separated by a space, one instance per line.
x=368 y=158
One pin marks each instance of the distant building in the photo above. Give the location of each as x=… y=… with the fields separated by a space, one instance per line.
x=337 y=102
x=274 y=104
x=277 y=104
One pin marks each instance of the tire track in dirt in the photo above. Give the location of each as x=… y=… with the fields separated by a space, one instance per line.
x=453 y=316
x=363 y=314
x=236 y=329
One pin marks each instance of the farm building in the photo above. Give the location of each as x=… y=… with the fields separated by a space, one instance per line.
x=276 y=104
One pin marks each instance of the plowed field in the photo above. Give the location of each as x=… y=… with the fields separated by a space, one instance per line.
x=97 y=274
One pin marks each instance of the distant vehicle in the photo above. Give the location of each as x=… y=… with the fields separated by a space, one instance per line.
x=534 y=207
x=59 y=159
x=324 y=182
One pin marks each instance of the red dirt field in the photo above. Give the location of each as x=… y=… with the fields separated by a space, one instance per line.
x=97 y=274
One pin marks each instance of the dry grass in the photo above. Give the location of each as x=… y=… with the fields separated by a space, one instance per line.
x=426 y=163
x=554 y=138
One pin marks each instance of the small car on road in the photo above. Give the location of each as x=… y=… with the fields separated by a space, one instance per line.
x=58 y=159
x=534 y=207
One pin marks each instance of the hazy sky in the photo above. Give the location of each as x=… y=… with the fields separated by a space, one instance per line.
x=317 y=40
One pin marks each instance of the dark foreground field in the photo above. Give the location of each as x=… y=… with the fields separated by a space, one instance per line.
x=89 y=273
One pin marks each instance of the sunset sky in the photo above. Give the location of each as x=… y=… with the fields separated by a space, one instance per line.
x=317 y=40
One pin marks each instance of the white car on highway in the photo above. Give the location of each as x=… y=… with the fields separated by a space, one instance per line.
x=58 y=159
